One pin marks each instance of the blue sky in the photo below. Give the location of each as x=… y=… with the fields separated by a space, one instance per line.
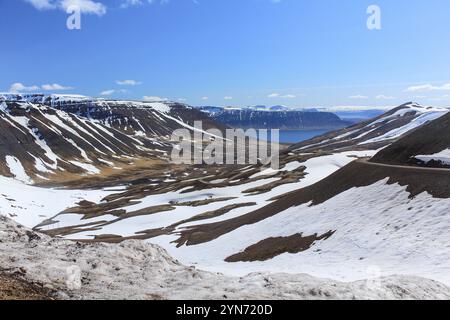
x=231 y=52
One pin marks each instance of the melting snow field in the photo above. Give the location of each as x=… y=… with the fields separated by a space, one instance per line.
x=316 y=169
x=29 y=205
x=378 y=229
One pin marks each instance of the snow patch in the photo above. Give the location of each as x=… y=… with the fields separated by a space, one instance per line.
x=443 y=156
x=16 y=168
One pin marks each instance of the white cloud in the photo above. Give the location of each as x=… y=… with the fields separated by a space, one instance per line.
x=228 y=98
x=205 y=98
x=384 y=97
x=132 y=3
x=182 y=99
x=112 y=91
x=86 y=6
x=20 y=87
x=42 y=4
x=55 y=87
x=107 y=92
x=154 y=98
x=285 y=96
x=128 y=82
x=359 y=96
x=428 y=87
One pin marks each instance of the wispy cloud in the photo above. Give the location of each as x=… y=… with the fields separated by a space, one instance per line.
x=107 y=92
x=428 y=88
x=20 y=87
x=228 y=98
x=133 y=3
x=130 y=3
x=384 y=97
x=128 y=82
x=154 y=98
x=42 y=4
x=85 y=6
x=284 y=96
x=112 y=91
x=359 y=97
x=55 y=87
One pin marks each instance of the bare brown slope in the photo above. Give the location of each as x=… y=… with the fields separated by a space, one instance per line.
x=355 y=174
x=429 y=139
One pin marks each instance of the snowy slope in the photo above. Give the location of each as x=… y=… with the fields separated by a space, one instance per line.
x=77 y=135
x=39 y=141
x=378 y=227
x=135 y=270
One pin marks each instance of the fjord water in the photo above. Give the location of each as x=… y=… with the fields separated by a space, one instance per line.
x=295 y=136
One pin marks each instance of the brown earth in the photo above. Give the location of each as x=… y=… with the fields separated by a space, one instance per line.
x=268 y=248
x=431 y=138
x=14 y=287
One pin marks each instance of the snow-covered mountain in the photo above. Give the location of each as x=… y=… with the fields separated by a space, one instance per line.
x=428 y=145
x=46 y=135
x=377 y=132
x=216 y=109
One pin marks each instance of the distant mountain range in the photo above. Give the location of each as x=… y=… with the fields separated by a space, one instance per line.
x=358 y=115
x=275 y=117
